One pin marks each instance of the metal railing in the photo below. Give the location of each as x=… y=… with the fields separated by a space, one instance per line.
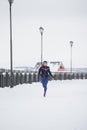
x=29 y=78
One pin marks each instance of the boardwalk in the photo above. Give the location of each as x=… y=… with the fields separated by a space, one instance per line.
x=64 y=108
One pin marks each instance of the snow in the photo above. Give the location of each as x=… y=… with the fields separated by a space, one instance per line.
x=25 y=108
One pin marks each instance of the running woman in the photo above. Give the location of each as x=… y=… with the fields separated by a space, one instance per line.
x=44 y=73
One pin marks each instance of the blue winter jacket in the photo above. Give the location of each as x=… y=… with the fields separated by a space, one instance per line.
x=44 y=72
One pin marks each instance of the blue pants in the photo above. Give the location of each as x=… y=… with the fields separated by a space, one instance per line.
x=44 y=82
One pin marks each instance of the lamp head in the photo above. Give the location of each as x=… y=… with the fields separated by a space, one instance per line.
x=41 y=30
x=11 y=1
x=71 y=43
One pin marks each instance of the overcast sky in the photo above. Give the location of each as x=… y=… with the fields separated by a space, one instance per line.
x=62 y=20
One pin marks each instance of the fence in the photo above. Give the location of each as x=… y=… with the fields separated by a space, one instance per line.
x=29 y=78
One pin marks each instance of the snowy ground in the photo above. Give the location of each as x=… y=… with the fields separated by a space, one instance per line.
x=64 y=108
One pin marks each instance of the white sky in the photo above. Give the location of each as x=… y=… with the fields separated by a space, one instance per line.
x=63 y=20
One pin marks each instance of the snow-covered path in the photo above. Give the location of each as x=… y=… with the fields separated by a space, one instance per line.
x=64 y=108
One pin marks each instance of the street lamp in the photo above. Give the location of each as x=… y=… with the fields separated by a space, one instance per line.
x=71 y=45
x=11 y=53
x=41 y=32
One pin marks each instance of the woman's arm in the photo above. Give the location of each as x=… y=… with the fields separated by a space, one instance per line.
x=50 y=73
x=39 y=71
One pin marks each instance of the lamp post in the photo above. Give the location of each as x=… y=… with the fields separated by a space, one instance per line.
x=71 y=45
x=41 y=32
x=11 y=53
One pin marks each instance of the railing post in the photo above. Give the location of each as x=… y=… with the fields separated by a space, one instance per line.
x=30 y=78
x=86 y=76
x=7 y=79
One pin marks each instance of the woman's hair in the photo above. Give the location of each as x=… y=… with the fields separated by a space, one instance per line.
x=45 y=62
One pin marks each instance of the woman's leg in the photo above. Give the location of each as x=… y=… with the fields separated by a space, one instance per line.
x=45 y=86
x=44 y=83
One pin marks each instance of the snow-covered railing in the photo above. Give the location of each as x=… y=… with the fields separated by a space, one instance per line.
x=28 y=78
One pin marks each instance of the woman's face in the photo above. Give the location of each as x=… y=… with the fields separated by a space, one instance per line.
x=45 y=64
